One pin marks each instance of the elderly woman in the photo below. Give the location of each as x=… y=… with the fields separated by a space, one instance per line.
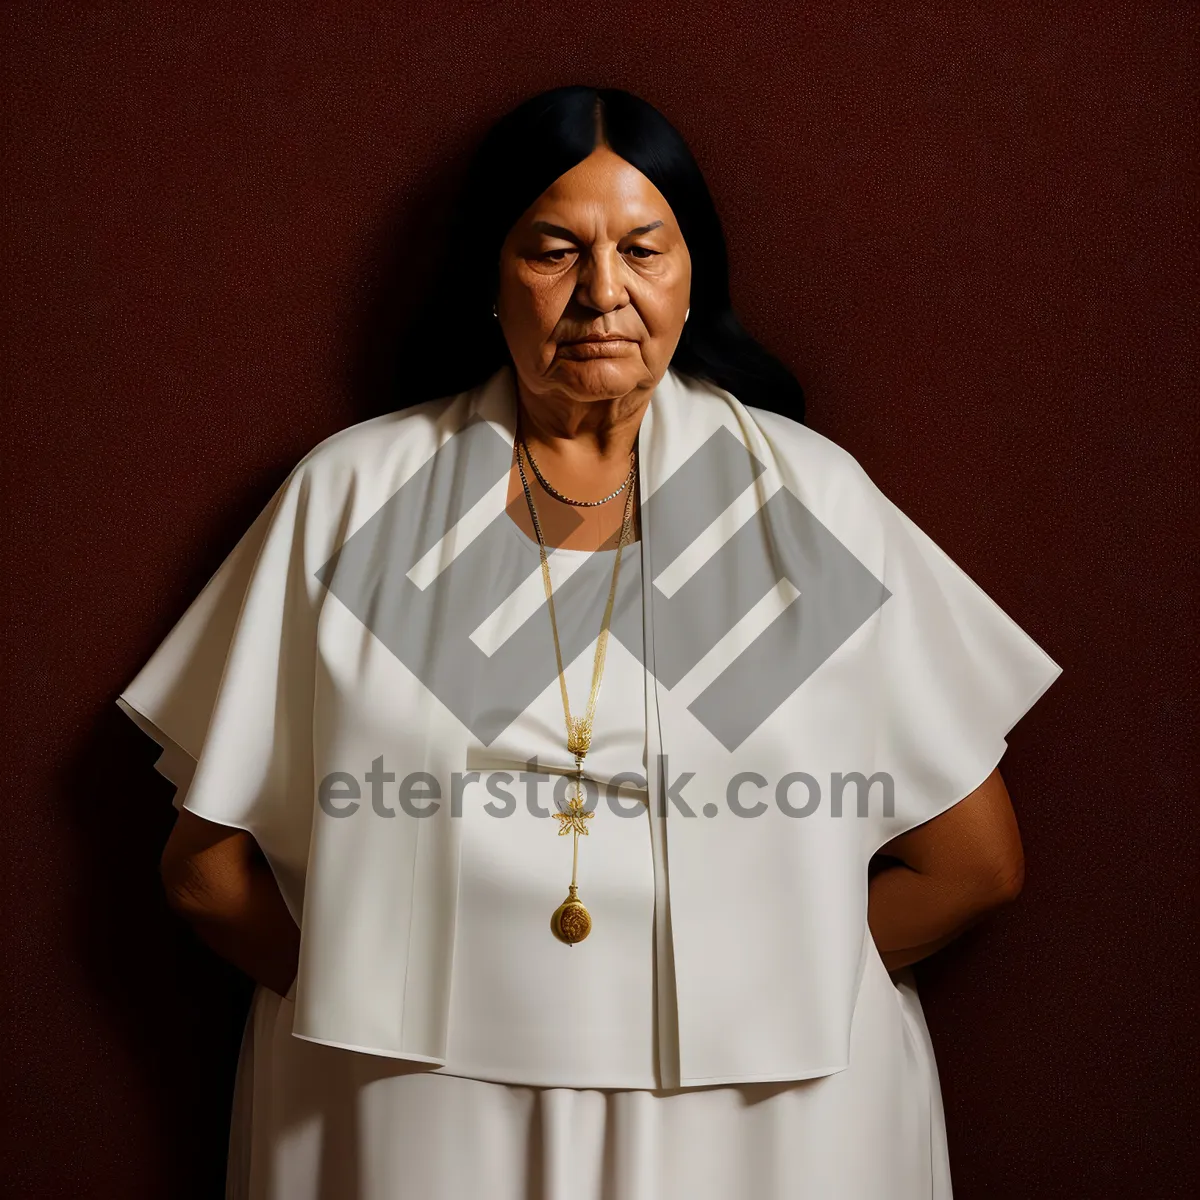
x=578 y=755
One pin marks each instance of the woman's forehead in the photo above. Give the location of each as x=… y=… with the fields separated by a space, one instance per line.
x=602 y=194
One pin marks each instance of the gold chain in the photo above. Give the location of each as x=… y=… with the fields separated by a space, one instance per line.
x=571 y=921
x=567 y=499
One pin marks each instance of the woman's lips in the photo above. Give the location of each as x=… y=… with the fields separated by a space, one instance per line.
x=609 y=348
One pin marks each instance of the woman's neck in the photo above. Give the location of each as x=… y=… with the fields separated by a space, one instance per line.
x=582 y=450
x=581 y=445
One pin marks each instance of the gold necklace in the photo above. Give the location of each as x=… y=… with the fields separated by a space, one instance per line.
x=571 y=922
x=567 y=499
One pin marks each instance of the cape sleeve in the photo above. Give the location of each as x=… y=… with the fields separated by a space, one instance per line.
x=228 y=694
x=955 y=673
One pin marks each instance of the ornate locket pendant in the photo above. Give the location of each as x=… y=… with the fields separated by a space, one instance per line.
x=571 y=921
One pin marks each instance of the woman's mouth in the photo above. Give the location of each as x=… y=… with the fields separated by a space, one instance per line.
x=606 y=348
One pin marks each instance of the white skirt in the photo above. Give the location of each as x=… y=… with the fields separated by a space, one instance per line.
x=312 y=1122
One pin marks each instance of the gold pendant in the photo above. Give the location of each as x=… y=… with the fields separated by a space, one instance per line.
x=571 y=922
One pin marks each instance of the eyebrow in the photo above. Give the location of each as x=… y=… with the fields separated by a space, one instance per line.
x=567 y=235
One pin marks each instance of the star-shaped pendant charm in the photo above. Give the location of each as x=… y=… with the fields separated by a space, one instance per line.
x=573 y=819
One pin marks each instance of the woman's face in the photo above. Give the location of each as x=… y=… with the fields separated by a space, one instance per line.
x=599 y=253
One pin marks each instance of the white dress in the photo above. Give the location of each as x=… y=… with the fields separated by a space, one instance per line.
x=551 y=1085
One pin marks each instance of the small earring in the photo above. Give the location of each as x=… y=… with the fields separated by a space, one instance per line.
x=686 y=315
x=495 y=313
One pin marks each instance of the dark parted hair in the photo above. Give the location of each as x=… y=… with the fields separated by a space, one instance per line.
x=455 y=343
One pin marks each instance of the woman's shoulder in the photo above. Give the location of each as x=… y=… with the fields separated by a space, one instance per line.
x=367 y=443
x=828 y=483
x=347 y=476
x=795 y=447
x=813 y=463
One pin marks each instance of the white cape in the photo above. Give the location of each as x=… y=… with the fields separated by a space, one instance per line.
x=798 y=628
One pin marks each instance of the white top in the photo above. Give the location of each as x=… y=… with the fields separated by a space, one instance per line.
x=799 y=633
x=525 y=1007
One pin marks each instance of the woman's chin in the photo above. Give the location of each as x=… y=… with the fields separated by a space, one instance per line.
x=600 y=378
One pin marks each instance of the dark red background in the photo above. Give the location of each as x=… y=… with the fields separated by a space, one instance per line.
x=970 y=232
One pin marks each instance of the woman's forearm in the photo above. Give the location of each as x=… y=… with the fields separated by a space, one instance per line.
x=912 y=914
x=241 y=915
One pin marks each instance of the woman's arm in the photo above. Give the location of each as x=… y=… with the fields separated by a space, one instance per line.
x=952 y=871
x=217 y=879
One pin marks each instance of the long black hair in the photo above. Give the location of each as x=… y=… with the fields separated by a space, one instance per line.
x=455 y=343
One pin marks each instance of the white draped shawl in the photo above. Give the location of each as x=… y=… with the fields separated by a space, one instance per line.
x=798 y=629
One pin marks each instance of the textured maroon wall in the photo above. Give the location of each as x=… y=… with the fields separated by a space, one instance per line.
x=967 y=229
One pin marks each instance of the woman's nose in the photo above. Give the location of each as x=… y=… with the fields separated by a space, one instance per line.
x=600 y=285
